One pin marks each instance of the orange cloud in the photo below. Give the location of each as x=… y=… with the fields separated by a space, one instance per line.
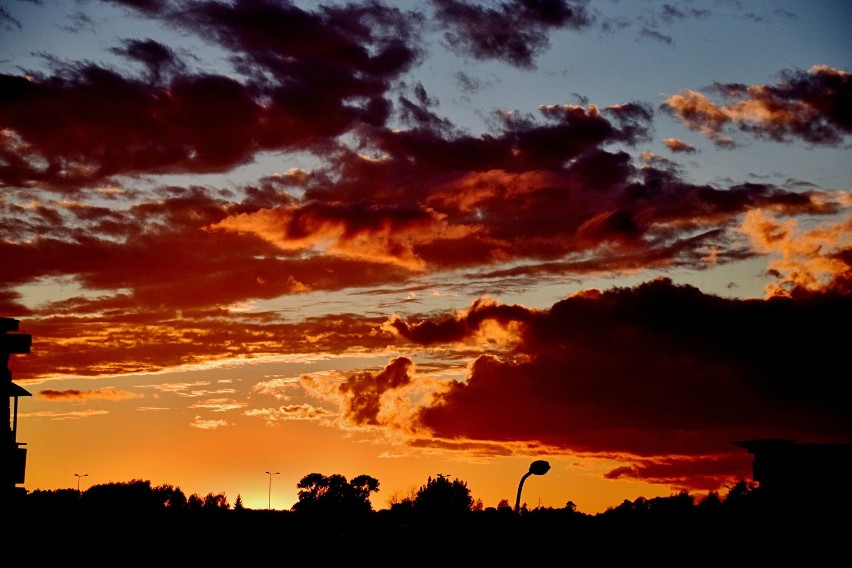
x=804 y=105
x=74 y=415
x=485 y=322
x=699 y=113
x=272 y=416
x=813 y=260
x=367 y=233
x=202 y=424
x=676 y=145
x=219 y=404
x=363 y=391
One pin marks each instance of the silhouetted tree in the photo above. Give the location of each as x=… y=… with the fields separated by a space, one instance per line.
x=680 y=504
x=711 y=503
x=195 y=503
x=238 y=504
x=440 y=496
x=56 y=500
x=136 y=497
x=215 y=502
x=739 y=497
x=334 y=495
x=170 y=497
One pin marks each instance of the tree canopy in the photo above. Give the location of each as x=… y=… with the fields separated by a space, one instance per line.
x=334 y=494
x=441 y=496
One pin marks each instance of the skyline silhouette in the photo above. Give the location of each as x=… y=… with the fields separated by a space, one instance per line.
x=440 y=523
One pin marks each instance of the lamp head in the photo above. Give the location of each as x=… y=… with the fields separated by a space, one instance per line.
x=539 y=467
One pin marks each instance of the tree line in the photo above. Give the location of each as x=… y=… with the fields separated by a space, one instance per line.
x=318 y=495
x=333 y=516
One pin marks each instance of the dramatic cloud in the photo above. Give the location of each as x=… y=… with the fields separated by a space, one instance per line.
x=811 y=106
x=59 y=130
x=647 y=372
x=665 y=377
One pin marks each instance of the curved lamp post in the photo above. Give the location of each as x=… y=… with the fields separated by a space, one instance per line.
x=538 y=467
x=269 y=502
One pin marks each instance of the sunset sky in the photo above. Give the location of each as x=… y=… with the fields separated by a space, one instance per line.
x=405 y=239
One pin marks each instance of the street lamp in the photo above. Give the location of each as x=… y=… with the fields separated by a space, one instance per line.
x=538 y=467
x=269 y=502
x=78 y=476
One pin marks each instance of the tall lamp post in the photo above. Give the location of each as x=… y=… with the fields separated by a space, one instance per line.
x=538 y=467
x=269 y=501
x=78 y=476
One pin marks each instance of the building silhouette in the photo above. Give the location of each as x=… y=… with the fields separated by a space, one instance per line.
x=810 y=477
x=13 y=455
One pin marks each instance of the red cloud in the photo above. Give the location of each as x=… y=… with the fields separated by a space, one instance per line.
x=654 y=370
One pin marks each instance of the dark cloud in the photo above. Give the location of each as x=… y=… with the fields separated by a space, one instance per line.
x=78 y=395
x=670 y=13
x=66 y=125
x=151 y=7
x=467 y=83
x=307 y=77
x=418 y=113
x=649 y=371
x=514 y=31
x=159 y=59
x=538 y=190
x=655 y=35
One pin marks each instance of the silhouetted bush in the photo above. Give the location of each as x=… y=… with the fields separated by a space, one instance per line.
x=440 y=496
